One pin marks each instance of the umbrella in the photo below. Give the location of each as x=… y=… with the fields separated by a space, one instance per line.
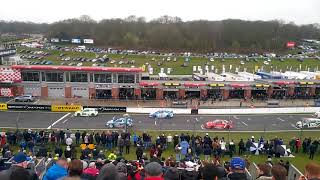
x=256 y=148
x=283 y=151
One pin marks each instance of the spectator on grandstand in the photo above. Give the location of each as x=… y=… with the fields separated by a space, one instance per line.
x=19 y=162
x=311 y=172
x=237 y=169
x=57 y=171
x=264 y=172
x=278 y=172
x=153 y=171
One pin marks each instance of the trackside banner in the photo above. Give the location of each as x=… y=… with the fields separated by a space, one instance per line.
x=65 y=108
x=108 y=109
x=3 y=107
x=29 y=107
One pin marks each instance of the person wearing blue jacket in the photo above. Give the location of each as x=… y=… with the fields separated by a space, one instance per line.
x=184 y=147
x=57 y=171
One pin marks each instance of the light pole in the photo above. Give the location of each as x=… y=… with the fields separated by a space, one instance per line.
x=126 y=116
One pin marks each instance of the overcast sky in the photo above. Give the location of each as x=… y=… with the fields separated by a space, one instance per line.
x=298 y=11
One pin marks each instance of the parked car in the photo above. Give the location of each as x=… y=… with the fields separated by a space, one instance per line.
x=24 y=98
x=119 y=122
x=218 y=124
x=87 y=112
x=161 y=114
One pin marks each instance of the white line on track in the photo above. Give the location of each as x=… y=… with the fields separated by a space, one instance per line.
x=281 y=119
x=249 y=119
x=58 y=120
x=65 y=121
x=244 y=123
x=293 y=126
x=155 y=123
x=36 y=101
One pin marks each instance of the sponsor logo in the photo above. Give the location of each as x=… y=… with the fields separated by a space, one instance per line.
x=3 y=107
x=65 y=108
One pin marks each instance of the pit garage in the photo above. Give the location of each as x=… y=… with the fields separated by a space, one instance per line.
x=237 y=91
x=56 y=92
x=81 y=92
x=214 y=91
x=259 y=91
x=103 y=94
x=33 y=89
x=148 y=90
x=193 y=90
x=126 y=93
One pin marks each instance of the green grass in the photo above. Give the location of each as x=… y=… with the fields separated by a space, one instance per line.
x=299 y=161
x=275 y=65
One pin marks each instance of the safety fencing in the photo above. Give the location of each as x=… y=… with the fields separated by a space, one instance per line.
x=253 y=170
x=293 y=173
x=114 y=109
x=260 y=110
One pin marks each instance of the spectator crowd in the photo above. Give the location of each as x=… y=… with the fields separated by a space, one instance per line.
x=91 y=162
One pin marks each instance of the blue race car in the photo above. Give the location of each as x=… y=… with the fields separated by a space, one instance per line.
x=161 y=114
x=119 y=122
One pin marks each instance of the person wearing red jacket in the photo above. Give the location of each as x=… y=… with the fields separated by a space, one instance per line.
x=91 y=170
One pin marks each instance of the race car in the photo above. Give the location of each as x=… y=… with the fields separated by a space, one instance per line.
x=87 y=112
x=308 y=123
x=161 y=114
x=218 y=124
x=119 y=122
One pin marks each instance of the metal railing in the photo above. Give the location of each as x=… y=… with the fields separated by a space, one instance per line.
x=253 y=170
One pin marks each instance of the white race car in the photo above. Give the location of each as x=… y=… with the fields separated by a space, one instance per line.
x=87 y=112
x=308 y=123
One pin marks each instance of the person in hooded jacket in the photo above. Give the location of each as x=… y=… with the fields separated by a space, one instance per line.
x=122 y=171
x=108 y=172
x=57 y=171
x=139 y=152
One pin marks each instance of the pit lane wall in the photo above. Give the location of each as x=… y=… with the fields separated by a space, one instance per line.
x=290 y=110
x=151 y=110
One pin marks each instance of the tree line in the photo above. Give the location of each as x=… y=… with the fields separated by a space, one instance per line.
x=171 y=33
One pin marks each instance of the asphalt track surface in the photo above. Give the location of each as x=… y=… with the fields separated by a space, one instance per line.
x=45 y=120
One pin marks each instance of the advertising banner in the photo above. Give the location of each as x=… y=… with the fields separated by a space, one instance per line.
x=65 y=108
x=7 y=52
x=108 y=109
x=9 y=75
x=6 y=92
x=29 y=107
x=76 y=41
x=291 y=44
x=88 y=41
x=55 y=40
x=3 y=106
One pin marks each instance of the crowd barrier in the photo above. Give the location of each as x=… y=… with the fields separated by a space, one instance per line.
x=293 y=173
x=253 y=170
x=151 y=110
x=260 y=110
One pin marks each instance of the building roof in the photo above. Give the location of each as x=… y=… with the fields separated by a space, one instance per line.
x=75 y=68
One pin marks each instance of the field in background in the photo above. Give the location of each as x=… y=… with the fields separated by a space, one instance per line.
x=179 y=69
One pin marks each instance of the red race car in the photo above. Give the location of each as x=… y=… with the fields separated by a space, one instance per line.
x=218 y=124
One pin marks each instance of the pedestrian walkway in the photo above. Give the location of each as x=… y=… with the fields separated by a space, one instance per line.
x=234 y=103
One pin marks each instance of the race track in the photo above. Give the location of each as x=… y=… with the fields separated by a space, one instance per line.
x=143 y=122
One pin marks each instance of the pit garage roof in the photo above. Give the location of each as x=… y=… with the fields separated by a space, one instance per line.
x=74 y=68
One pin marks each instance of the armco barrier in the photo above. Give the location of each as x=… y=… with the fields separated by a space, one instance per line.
x=150 y=110
x=3 y=106
x=108 y=108
x=65 y=108
x=29 y=107
x=260 y=110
